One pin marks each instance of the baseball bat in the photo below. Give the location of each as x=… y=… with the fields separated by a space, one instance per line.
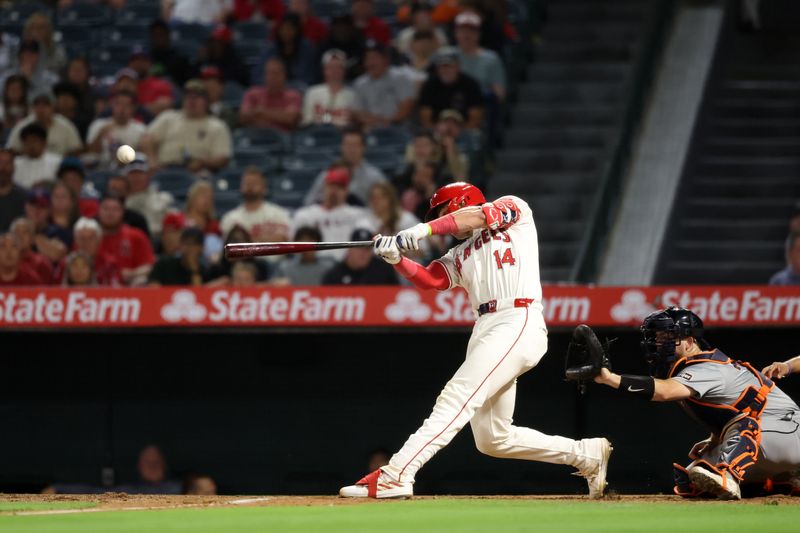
x=257 y=249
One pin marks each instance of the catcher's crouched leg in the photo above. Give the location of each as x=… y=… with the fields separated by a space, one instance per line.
x=739 y=448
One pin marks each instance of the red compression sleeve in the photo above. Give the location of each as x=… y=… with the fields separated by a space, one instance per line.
x=434 y=276
x=444 y=225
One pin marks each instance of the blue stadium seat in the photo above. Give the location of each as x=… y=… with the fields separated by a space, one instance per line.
x=385 y=9
x=125 y=32
x=315 y=161
x=91 y=14
x=224 y=201
x=387 y=138
x=254 y=156
x=389 y=160
x=116 y=53
x=268 y=140
x=20 y=11
x=317 y=137
x=228 y=179
x=76 y=34
x=327 y=9
x=99 y=178
x=289 y=189
x=232 y=94
x=144 y=12
x=250 y=32
x=175 y=181
x=197 y=33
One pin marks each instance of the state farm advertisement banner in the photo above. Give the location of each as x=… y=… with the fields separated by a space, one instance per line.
x=564 y=306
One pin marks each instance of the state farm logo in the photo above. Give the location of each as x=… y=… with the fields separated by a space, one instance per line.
x=633 y=307
x=408 y=305
x=183 y=306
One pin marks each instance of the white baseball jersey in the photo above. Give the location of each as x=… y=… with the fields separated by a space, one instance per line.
x=500 y=264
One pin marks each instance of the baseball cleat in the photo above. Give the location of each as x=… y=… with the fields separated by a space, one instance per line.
x=377 y=485
x=597 y=467
x=724 y=488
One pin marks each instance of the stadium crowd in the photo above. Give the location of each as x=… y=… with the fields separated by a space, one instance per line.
x=332 y=127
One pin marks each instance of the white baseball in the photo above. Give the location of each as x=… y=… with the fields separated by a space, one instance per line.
x=126 y=154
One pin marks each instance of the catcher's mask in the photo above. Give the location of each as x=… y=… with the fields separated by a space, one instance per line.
x=662 y=332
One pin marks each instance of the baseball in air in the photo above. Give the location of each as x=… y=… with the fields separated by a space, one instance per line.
x=126 y=154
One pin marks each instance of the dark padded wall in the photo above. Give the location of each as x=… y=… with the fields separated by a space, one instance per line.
x=298 y=413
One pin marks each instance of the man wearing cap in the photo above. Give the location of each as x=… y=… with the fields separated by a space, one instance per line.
x=185 y=268
x=330 y=102
x=360 y=266
x=153 y=91
x=12 y=196
x=372 y=27
x=421 y=20
x=273 y=105
x=107 y=134
x=61 y=135
x=189 y=137
x=144 y=196
x=482 y=64
x=35 y=164
x=264 y=221
x=87 y=235
x=12 y=271
x=130 y=248
x=384 y=94
x=333 y=217
x=449 y=88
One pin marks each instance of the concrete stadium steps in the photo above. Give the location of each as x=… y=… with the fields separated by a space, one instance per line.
x=567 y=119
x=742 y=177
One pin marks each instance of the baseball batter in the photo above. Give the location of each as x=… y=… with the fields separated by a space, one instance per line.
x=498 y=266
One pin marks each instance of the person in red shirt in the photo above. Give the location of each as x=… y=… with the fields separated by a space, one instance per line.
x=153 y=92
x=268 y=9
x=273 y=105
x=87 y=236
x=372 y=27
x=129 y=247
x=23 y=230
x=314 y=29
x=12 y=270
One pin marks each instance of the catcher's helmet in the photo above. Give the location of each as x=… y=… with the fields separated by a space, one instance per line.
x=662 y=331
x=454 y=196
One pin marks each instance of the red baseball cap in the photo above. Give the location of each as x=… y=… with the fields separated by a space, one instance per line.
x=174 y=221
x=338 y=176
x=222 y=33
x=210 y=71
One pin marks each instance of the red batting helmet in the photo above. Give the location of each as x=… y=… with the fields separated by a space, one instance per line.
x=455 y=196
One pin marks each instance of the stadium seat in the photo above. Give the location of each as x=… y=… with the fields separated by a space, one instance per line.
x=76 y=35
x=289 y=190
x=228 y=179
x=117 y=53
x=20 y=11
x=387 y=138
x=256 y=157
x=389 y=160
x=175 y=181
x=99 y=178
x=90 y=14
x=125 y=32
x=315 y=161
x=197 y=33
x=327 y=9
x=250 y=32
x=267 y=139
x=232 y=94
x=143 y=12
x=224 y=201
x=317 y=137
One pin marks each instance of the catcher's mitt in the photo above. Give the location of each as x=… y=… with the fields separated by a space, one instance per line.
x=585 y=355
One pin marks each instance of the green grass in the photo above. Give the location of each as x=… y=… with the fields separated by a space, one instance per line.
x=13 y=507
x=423 y=516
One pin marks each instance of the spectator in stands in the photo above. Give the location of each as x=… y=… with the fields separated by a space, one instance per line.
x=377 y=458
x=35 y=164
x=15 y=101
x=107 y=134
x=25 y=233
x=129 y=247
x=362 y=174
x=449 y=88
x=215 y=87
x=186 y=268
x=152 y=465
x=386 y=215
x=144 y=196
x=263 y=221
x=189 y=137
x=39 y=28
x=8 y=51
x=12 y=272
x=199 y=212
x=371 y=26
x=330 y=102
x=153 y=91
x=197 y=485
x=794 y=219
x=421 y=21
x=791 y=274
x=297 y=54
x=30 y=66
x=346 y=37
x=360 y=266
x=119 y=186
x=482 y=64
x=12 y=196
x=63 y=213
x=171 y=229
x=78 y=74
x=258 y=10
x=87 y=236
x=67 y=104
x=78 y=271
x=220 y=52
x=47 y=238
x=333 y=217
x=221 y=272
x=307 y=268
x=273 y=105
x=62 y=135
x=207 y=12
x=244 y=273
x=416 y=198
x=314 y=29
x=439 y=149
x=384 y=94
x=126 y=80
x=165 y=56
x=422 y=52
x=72 y=174
x=448 y=130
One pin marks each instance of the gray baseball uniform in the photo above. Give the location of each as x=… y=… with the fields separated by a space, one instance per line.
x=717 y=384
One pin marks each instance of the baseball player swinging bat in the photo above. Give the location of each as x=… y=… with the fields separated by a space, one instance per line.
x=258 y=249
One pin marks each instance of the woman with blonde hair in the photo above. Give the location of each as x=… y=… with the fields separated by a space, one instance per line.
x=199 y=212
x=39 y=28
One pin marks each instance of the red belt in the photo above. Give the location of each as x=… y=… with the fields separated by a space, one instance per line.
x=491 y=305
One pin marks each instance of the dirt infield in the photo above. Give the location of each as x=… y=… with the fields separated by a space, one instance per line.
x=120 y=501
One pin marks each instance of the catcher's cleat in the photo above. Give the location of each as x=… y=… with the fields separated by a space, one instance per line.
x=598 y=452
x=377 y=485
x=720 y=484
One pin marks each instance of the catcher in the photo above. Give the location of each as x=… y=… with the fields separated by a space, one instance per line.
x=754 y=425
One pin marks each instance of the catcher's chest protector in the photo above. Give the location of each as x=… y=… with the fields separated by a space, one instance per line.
x=751 y=401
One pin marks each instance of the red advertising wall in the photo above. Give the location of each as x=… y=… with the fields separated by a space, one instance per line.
x=57 y=308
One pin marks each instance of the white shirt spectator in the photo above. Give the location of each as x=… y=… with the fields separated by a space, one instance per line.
x=321 y=106
x=383 y=96
x=403 y=40
x=29 y=171
x=199 y=11
x=335 y=224
x=268 y=219
x=62 y=135
x=130 y=134
x=364 y=176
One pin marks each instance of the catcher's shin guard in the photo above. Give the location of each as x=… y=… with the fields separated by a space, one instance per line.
x=683 y=485
x=739 y=451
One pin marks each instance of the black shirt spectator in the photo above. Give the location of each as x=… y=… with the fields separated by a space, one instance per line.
x=120 y=187
x=186 y=268
x=346 y=37
x=162 y=53
x=220 y=52
x=449 y=88
x=360 y=266
x=12 y=197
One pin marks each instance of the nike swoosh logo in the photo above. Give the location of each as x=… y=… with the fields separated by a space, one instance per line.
x=631 y=389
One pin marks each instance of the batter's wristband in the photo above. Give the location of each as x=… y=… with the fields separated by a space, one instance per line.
x=788 y=367
x=444 y=225
x=642 y=386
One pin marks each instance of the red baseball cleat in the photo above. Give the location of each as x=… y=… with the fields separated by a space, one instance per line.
x=377 y=485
